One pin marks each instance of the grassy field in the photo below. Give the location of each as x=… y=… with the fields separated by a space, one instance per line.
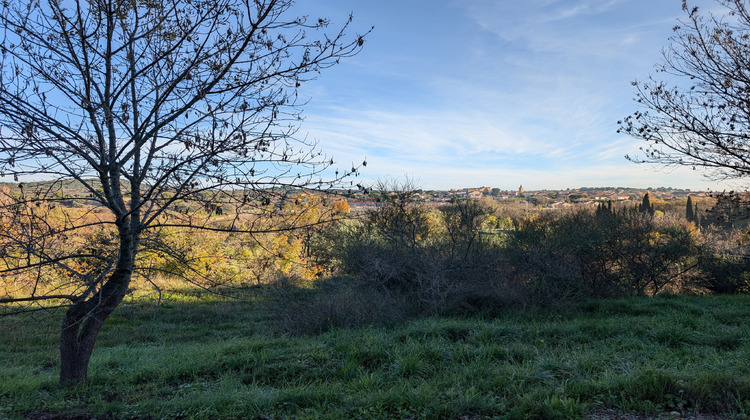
x=198 y=357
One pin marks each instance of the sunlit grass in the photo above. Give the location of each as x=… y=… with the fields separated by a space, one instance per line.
x=195 y=357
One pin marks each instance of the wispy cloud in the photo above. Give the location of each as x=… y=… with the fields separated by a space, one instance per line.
x=419 y=135
x=564 y=10
x=474 y=92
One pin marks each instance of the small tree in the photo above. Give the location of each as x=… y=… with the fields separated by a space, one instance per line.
x=689 y=211
x=730 y=212
x=646 y=207
x=697 y=111
x=161 y=113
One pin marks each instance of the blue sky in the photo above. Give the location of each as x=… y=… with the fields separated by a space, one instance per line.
x=461 y=93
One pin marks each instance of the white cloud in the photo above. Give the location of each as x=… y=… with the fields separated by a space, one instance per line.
x=582 y=8
x=419 y=135
x=520 y=92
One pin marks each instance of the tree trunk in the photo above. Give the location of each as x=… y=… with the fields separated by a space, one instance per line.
x=76 y=345
x=84 y=319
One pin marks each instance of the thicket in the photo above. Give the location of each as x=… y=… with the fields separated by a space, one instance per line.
x=210 y=258
x=408 y=258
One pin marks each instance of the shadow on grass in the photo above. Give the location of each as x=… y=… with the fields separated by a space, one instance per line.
x=202 y=357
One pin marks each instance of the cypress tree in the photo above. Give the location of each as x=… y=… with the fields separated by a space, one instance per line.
x=689 y=214
x=646 y=206
x=697 y=216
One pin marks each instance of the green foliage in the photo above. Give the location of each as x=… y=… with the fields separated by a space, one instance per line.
x=492 y=222
x=690 y=211
x=578 y=197
x=585 y=254
x=439 y=260
x=731 y=211
x=646 y=207
x=451 y=259
x=724 y=273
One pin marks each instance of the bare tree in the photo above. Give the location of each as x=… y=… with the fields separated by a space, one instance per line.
x=149 y=108
x=697 y=107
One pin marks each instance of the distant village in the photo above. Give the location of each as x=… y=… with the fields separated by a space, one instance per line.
x=664 y=197
x=550 y=198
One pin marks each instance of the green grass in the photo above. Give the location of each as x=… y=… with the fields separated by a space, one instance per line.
x=206 y=358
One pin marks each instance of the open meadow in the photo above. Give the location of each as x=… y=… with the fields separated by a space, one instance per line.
x=199 y=355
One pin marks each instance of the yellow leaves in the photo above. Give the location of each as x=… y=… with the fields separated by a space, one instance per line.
x=341 y=207
x=302 y=209
x=213 y=258
x=433 y=225
x=692 y=230
x=653 y=238
x=287 y=253
x=203 y=257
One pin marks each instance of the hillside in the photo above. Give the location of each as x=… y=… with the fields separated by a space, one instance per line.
x=199 y=357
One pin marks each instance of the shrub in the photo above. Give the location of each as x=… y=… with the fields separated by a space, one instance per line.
x=441 y=261
x=436 y=258
x=723 y=273
x=598 y=255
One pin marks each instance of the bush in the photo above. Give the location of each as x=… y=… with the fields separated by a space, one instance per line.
x=724 y=273
x=584 y=254
x=438 y=259
x=441 y=261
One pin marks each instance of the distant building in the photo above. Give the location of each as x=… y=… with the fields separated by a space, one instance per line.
x=520 y=192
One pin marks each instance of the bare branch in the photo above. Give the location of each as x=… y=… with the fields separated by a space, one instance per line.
x=147 y=117
x=699 y=114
